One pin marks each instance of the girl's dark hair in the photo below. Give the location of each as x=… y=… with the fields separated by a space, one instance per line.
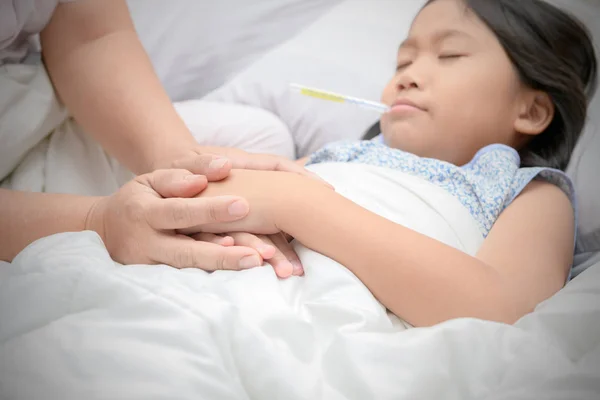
x=552 y=52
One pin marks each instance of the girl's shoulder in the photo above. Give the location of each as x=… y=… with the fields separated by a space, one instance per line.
x=494 y=160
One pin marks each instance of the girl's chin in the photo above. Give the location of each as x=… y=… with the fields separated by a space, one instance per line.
x=401 y=131
x=406 y=138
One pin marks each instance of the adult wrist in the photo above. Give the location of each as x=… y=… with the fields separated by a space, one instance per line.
x=94 y=219
x=162 y=155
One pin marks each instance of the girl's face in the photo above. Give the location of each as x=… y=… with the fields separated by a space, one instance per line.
x=455 y=89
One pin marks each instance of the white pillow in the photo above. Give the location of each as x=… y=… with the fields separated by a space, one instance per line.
x=351 y=50
x=195 y=46
x=238 y=126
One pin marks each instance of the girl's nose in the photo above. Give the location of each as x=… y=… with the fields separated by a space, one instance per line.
x=405 y=83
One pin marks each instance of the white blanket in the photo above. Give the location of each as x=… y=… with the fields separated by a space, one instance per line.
x=75 y=325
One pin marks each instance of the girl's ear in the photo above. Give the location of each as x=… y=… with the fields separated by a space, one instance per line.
x=536 y=113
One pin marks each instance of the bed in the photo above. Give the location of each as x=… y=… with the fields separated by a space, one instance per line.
x=76 y=325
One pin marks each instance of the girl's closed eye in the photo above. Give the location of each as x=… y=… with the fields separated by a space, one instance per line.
x=451 y=56
x=403 y=65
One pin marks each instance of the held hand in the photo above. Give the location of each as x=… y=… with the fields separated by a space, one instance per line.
x=284 y=259
x=139 y=223
x=268 y=194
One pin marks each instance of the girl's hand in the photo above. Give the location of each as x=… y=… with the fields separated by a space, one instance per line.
x=270 y=195
x=273 y=248
x=139 y=223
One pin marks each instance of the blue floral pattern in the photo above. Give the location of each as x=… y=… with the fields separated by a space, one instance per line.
x=485 y=186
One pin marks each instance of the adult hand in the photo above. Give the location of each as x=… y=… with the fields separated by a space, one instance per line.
x=139 y=223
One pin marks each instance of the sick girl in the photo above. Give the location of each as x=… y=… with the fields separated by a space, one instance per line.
x=487 y=102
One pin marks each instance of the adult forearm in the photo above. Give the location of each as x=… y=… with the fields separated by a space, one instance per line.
x=104 y=77
x=416 y=277
x=26 y=217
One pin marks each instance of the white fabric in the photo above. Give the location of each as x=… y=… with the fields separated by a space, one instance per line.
x=351 y=50
x=76 y=325
x=196 y=46
x=236 y=125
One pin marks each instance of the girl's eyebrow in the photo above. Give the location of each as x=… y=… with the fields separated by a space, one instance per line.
x=437 y=37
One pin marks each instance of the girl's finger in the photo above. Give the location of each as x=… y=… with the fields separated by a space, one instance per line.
x=268 y=162
x=216 y=239
x=281 y=242
x=267 y=249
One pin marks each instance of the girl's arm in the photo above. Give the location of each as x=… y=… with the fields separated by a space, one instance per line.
x=523 y=261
